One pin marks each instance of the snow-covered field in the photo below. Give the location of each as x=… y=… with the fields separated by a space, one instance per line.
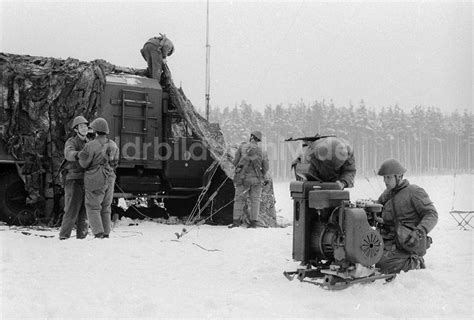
x=144 y=271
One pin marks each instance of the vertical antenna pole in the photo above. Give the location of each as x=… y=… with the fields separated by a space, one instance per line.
x=208 y=69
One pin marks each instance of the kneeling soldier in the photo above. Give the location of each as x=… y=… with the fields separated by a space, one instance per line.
x=408 y=216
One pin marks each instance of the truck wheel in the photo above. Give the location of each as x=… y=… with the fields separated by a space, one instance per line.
x=13 y=207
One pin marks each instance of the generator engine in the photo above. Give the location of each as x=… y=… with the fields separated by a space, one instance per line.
x=333 y=238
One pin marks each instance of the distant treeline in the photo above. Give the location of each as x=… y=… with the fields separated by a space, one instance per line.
x=425 y=140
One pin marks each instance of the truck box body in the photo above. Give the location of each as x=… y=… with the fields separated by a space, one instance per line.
x=158 y=152
x=132 y=106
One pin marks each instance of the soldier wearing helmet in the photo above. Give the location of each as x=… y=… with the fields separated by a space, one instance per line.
x=73 y=175
x=251 y=167
x=99 y=159
x=408 y=216
x=328 y=159
x=155 y=51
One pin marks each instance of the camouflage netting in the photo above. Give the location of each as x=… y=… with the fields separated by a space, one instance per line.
x=212 y=135
x=40 y=97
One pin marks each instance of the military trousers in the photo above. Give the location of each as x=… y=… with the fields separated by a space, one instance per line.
x=99 y=207
x=153 y=56
x=74 y=210
x=395 y=260
x=242 y=192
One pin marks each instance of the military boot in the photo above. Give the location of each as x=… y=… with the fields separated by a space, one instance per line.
x=253 y=224
x=235 y=224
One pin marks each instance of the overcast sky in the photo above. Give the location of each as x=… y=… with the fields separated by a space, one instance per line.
x=407 y=53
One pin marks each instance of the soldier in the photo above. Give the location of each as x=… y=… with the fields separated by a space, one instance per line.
x=73 y=173
x=330 y=159
x=155 y=51
x=99 y=158
x=251 y=167
x=408 y=216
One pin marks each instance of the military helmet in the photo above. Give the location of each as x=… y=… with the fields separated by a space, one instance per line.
x=170 y=46
x=78 y=120
x=257 y=134
x=100 y=124
x=165 y=42
x=391 y=167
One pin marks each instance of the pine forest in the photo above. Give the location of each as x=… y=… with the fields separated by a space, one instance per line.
x=425 y=140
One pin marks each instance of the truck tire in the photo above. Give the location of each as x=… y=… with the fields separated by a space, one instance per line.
x=13 y=207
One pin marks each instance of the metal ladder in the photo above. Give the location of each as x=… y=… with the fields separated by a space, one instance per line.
x=144 y=104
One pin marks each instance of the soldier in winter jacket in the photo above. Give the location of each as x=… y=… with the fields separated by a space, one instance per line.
x=413 y=209
x=330 y=159
x=99 y=159
x=155 y=51
x=74 y=210
x=251 y=166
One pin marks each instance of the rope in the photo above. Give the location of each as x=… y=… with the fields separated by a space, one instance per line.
x=205 y=248
x=214 y=167
x=185 y=231
x=211 y=199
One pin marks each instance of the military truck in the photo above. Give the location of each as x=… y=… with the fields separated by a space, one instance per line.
x=162 y=160
x=160 y=155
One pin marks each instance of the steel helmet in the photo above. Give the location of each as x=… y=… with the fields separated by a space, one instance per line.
x=391 y=167
x=78 y=120
x=167 y=44
x=257 y=134
x=100 y=124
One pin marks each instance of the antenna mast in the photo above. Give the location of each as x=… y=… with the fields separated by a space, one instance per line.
x=208 y=69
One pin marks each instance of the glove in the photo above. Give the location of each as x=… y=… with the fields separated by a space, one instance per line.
x=414 y=237
x=295 y=162
x=379 y=219
x=340 y=184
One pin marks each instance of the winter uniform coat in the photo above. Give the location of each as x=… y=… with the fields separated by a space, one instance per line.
x=251 y=164
x=71 y=148
x=74 y=209
x=331 y=159
x=99 y=157
x=154 y=52
x=414 y=209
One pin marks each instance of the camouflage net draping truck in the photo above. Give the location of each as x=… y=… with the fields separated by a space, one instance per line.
x=169 y=153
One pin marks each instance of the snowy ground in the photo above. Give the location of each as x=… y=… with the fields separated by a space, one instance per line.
x=142 y=271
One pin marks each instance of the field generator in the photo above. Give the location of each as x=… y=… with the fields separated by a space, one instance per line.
x=334 y=239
